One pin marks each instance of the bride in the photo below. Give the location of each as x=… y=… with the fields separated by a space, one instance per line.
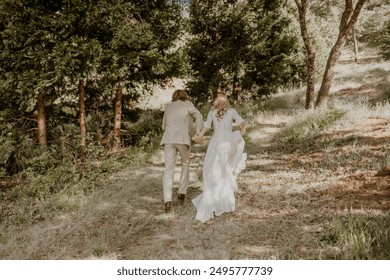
x=225 y=158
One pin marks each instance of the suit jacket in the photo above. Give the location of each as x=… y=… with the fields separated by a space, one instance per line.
x=178 y=123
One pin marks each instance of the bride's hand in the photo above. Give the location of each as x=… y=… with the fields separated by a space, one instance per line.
x=198 y=139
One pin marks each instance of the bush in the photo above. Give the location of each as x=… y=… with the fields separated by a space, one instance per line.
x=145 y=131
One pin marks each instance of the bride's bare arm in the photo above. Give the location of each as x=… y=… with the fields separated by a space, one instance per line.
x=242 y=128
x=199 y=138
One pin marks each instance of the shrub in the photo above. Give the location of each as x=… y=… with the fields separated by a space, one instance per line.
x=145 y=130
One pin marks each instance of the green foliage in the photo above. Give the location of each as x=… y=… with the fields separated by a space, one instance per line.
x=263 y=105
x=62 y=187
x=145 y=130
x=359 y=237
x=47 y=47
x=303 y=131
x=7 y=138
x=375 y=28
x=106 y=40
x=271 y=104
x=26 y=203
x=98 y=251
x=247 y=43
x=51 y=180
x=384 y=42
x=386 y=94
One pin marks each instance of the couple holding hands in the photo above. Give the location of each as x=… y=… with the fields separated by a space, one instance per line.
x=224 y=160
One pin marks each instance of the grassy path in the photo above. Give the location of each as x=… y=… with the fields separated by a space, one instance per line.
x=290 y=205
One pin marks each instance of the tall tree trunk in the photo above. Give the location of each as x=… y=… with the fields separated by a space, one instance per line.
x=83 y=125
x=98 y=118
x=117 y=118
x=348 y=20
x=41 y=121
x=236 y=89
x=217 y=71
x=311 y=54
x=355 y=45
x=62 y=141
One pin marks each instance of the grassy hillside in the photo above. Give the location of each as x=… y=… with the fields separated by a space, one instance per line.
x=316 y=186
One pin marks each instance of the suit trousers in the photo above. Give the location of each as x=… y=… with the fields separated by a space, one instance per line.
x=170 y=153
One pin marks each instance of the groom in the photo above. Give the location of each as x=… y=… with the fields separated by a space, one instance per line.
x=178 y=129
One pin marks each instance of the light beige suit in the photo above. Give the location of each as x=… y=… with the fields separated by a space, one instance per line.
x=178 y=126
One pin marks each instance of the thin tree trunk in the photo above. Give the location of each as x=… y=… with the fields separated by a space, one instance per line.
x=323 y=93
x=236 y=89
x=311 y=54
x=41 y=121
x=348 y=20
x=217 y=72
x=310 y=82
x=62 y=141
x=117 y=118
x=355 y=45
x=83 y=125
x=98 y=118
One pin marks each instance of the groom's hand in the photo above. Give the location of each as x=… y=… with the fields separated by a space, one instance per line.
x=197 y=139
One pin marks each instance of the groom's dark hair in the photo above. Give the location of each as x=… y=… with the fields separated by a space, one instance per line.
x=179 y=94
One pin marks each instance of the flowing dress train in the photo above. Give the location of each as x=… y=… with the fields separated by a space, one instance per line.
x=224 y=160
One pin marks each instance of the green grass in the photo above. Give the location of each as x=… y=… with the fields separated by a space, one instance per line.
x=359 y=236
x=62 y=188
x=302 y=132
x=306 y=129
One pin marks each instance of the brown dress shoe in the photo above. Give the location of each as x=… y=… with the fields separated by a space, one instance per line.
x=168 y=207
x=181 y=199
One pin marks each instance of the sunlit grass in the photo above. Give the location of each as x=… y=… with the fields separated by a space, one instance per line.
x=359 y=237
x=301 y=131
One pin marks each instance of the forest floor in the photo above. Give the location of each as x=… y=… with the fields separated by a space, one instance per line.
x=291 y=203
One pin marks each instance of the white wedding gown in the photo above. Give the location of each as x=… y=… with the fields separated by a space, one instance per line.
x=225 y=158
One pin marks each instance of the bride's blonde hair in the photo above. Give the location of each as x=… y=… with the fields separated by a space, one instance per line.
x=221 y=104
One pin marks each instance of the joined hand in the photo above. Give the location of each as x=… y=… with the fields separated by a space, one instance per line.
x=197 y=139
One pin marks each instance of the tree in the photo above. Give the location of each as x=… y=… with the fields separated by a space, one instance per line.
x=240 y=45
x=27 y=70
x=347 y=22
x=311 y=53
x=375 y=26
x=41 y=118
x=83 y=123
x=138 y=49
x=53 y=49
x=274 y=57
x=77 y=54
